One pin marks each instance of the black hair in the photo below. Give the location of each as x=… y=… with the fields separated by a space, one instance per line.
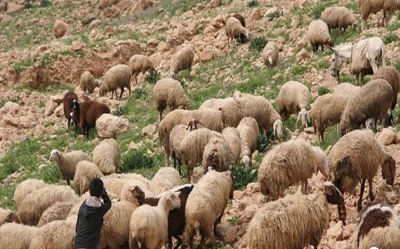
x=96 y=187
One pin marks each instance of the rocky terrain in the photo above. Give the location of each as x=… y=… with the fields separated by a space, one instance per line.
x=41 y=58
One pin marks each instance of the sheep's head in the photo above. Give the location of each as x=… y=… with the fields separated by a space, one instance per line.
x=389 y=170
x=278 y=129
x=304 y=117
x=333 y=194
x=322 y=161
x=246 y=161
x=172 y=199
x=54 y=155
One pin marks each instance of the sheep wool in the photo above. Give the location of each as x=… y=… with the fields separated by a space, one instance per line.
x=216 y=154
x=270 y=54
x=235 y=30
x=26 y=187
x=85 y=172
x=215 y=104
x=71 y=109
x=346 y=89
x=140 y=63
x=106 y=155
x=58 y=234
x=165 y=179
x=338 y=17
x=119 y=76
x=13 y=235
x=87 y=82
x=169 y=92
x=392 y=76
x=175 y=138
x=289 y=163
x=58 y=211
x=368 y=7
x=232 y=137
x=90 y=111
x=7 y=216
x=318 y=34
x=182 y=60
x=248 y=132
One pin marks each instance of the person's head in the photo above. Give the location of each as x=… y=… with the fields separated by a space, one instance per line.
x=96 y=187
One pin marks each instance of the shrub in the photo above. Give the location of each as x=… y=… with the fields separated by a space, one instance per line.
x=152 y=77
x=243 y=176
x=139 y=93
x=252 y=4
x=120 y=110
x=262 y=142
x=258 y=43
x=323 y=90
x=273 y=15
x=135 y=160
x=45 y=3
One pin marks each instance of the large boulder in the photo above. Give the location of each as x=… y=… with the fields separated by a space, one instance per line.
x=109 y=126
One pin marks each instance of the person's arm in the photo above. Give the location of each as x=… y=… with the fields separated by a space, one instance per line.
x=106 y=201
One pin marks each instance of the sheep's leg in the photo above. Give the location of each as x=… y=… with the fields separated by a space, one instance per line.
x=359 y=203
x=122 y=91
x=178 y=242
x=342 y=213
x=160 y=115
x=304 y=187
x=370 y=194
x=179 y=166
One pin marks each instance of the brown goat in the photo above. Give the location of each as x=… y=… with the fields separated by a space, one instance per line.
x=90 y=111
x=71 y=109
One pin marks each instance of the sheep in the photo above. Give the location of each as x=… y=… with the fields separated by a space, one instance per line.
x=347 y=90
x=289 y=163
x=7 y=216
x=327 y=111
x=58 y=211
x=248 y=132
x=356 y=158
x=90 y=111
x=118 y=76
x=242 y=21
x=236 y=31
x=182 y=60
x=148 y=226
x=140 y=63
x=270 y=54
x=232 y=137
x=294 y=97
x=24 y=188
x=216 y=154
x=13 y=235
x=84 y=173
x=87 y=82
x=338 y=17
x=389 y=6
x=66 y=162
x=165 y=179
x=176 y=217
x=318 y=34
x=372 y=101
x=379 y=226
x=36 y=202
x=293 y=221
x=71 y=109
x=392 y=76
x=368 y=7
x=175 y=137
x=215 y=103
x=205 y=206
x=106 y=155
x=169 y=92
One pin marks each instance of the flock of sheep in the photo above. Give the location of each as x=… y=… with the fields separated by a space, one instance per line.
x=224 y=132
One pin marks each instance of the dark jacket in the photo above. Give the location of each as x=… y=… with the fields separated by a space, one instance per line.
x=90 y=221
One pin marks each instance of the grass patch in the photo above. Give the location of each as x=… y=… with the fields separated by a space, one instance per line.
x=322 y=90
x=252 y=3
x=258 y=43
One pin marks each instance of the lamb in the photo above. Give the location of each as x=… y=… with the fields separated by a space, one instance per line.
x=216 y=154
x=106 y=155
x=236 y=31
x=118 y=76
x=66 y=162
x=88 y=83
x=165 y=179
x=148 y=226
x=270 y=54
x=392 y=76
x=58 y=211
x=33 y=206
x=347 y=90
x=84 y=173
x=182 y=60
x=176 y=217
x=248 y=131
x=13 y=235
x=339 y=17
x=90 y=111
x=372 y=101
x=205 y=206
x=382 y=232
x=169 y=92
x=293 y=221
x=71 y=109
x=327 y=111
x=7 y=216
x=289 y=163
x=318 y=34
x=140 y=63
x=232 y=137
x=294 y=97
x=356 y=158
x=24 y=188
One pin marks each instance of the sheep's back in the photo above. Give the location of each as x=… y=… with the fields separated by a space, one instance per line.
x=26 y=187
x=13 y=235
x=318 y=32
x=327 y=109
x=392 y=76
x=118 y=76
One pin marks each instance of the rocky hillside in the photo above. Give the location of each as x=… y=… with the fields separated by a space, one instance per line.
x=46 y=45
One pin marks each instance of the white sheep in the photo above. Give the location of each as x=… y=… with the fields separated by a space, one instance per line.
x=175 y=137
x=214 y=103
x=58 y=211
x=7 y=216
x=118 y=76
x=248 y=131
x=87 y=82
x=85 y=172
x=338 y=17
x=318 y=34
x=205 y=206
x=216 y=154
x=149 y=225
x=294 y=97
x=26 y=187
x=140 y=63
x=182 y=60
x=106 y=155
x=67 y=162
x=19 y=236
x=235 y=30
x=270 y=54
x=232 y=136
x=355 y=158
x=169 y=92
x=346 y=89
x=289 y=163
x=165 y=179
x=294 y=221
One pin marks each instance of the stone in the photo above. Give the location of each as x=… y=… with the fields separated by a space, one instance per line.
x=60 y=28
x=140 y=6
x=6 y=18
x=250 y=211
x=109 y=126
x=107 y=3
x=11 y=106
x=59 y=110
x=149 y=130
x=77 y=45
x=12 y=7
x=227 y=232
x=387 y=137
x=336 y=232
x=3 y=6
x=49 y=107
x=207 y=55
x=10 y=120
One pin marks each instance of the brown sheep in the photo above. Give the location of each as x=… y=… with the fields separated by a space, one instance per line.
x=90 y=111
x=71 y=109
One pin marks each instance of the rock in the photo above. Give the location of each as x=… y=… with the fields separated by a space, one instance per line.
x=59 y=111
x=387 y=137
x=134 y=146
x=3 y=6
x=255 y=14
x=12 y=7
x=227 y=232
x=94 y=23
x=163 y=47
x=49 y=108
x=140 y=6
x=10 y=120
x=149 y=130
x=109 y=126
x=207 y=54
x=111 y=12
x=11 y=106
x=77 y=45
x=60 y=28
x=336 y=232
x=6 y=18
x=250 y=211
x=107 y=3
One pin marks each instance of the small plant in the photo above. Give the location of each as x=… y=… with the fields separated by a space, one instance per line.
x=299 y=70
x=252 y=4
x=45 y=3
x=323 y=90
x=273 y=15
x=20 y=66
x=139 y=93
x=258 y=43
x=29 y=5
x=135 y=160
x=152 y=77
x=243 y=176
x=121 y=110
x=390 y=38
x=233 y=220
x=262 y=142
x=87 y=21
